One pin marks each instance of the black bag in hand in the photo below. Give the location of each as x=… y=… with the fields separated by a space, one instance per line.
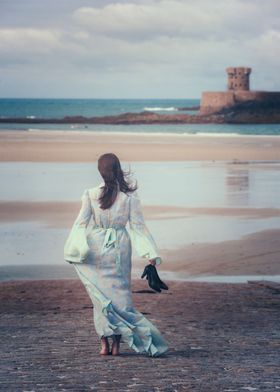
x=154 y=280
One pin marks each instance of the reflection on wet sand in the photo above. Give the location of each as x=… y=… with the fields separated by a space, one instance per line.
x=200 y=213
x=237 y=185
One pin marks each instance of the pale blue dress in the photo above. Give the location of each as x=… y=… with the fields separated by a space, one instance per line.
x=99 y=246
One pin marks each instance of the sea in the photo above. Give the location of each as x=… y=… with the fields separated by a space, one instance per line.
x=58 y=108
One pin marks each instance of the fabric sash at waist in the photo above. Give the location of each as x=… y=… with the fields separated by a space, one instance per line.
x=111 y=240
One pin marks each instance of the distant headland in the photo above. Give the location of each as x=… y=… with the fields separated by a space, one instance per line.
x=237 y=105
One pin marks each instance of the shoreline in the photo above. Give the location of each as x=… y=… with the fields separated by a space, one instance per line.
x=73 y=146
x=22 y=274
x=85 y=131
x=155 y=134
x=66 y=273
x=254 y=254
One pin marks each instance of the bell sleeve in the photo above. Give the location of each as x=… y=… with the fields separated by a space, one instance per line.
x=76 y=246
x=141 y=238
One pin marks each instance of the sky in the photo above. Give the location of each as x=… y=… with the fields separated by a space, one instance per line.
x=135 y=49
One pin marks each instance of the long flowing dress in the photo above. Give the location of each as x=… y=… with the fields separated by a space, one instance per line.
x=101 y=255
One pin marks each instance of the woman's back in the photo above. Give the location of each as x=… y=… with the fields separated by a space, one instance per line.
x=115 y=216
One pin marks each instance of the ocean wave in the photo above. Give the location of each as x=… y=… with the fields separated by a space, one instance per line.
x=159 y=109
x=198 y=133
x=31 y=117
x=193 y=134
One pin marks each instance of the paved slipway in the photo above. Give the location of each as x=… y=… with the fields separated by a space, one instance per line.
x=222 y=337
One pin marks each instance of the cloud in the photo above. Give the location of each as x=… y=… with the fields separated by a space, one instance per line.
x=200 y=19
x=28 y=40
x=162 y=47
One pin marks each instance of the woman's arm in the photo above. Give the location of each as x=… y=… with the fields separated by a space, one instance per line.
x=76 y=247
x=85 y=213
x=141 y=237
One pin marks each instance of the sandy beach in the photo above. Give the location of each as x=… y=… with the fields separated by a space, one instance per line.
x=59 y=146
x=255 y=253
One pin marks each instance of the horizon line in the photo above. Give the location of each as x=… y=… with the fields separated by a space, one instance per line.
x=95 y=98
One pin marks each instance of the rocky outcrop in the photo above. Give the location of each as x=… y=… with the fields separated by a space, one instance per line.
x=189 y=108
x=126 y=118
x=249 y=112
x=252 y=112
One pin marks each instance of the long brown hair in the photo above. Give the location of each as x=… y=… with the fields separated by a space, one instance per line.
x=115 y=180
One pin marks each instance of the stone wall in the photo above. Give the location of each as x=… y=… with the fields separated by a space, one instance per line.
x=214 y=101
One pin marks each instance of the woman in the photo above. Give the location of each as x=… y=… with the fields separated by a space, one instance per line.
x=102 y=259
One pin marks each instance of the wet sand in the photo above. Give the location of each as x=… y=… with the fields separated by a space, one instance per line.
x=221 y=337
x=61 y=214
x=59 y=146
x=254 y=254
x=236 y=186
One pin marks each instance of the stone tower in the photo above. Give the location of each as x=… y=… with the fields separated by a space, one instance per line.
x=237 y=94
x=238 y=78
